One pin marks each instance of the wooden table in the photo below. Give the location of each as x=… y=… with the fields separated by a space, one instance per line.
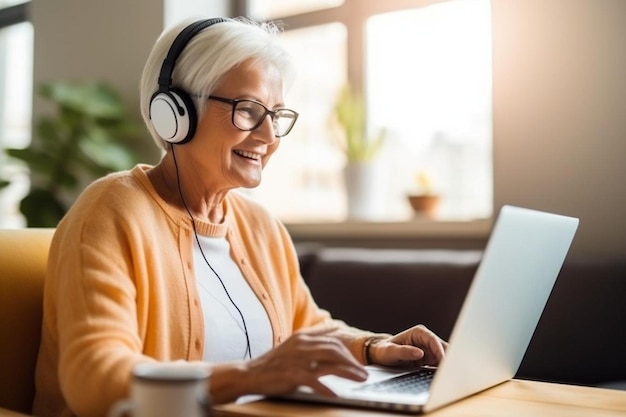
x=9 y=413
x=513 y=398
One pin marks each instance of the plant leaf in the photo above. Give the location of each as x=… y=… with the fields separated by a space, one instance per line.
x=350 y=113
x=107 y=155
x=41 y=208
x=94 y=99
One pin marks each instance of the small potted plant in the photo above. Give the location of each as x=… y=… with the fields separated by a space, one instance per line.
x=425 y=201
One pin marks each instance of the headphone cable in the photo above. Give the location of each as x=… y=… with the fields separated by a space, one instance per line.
x=195 y=232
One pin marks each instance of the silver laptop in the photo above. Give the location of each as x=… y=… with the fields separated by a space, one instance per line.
x=518 y=270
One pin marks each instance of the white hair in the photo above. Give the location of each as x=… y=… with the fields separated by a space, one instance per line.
x=207 y=57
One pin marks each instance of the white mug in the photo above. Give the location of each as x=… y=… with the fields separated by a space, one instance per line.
x=173 y=389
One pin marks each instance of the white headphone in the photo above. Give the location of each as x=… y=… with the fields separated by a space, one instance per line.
x=172 y=112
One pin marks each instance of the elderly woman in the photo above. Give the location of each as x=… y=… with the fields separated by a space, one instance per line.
x=169 y=262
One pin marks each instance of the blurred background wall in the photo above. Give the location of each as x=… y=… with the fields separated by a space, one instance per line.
x=560 y=113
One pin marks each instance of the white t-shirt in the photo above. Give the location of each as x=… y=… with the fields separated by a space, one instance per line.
x=224 y=334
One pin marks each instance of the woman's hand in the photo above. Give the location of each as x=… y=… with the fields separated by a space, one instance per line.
x=413 y=347
x=301 y=360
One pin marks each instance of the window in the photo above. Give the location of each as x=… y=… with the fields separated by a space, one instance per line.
x=16 y=56
x=436 y=101
x=425 y=68
x=426 y=72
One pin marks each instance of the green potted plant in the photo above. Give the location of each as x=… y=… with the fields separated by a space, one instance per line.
x=88 y=137
x=361 y=176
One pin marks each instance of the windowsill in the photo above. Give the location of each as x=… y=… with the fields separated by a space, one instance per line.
x=414 y=229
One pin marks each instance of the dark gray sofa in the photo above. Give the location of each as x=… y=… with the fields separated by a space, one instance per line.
x=580 y=339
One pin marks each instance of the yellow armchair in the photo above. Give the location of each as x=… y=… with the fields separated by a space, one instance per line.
x=23 y=258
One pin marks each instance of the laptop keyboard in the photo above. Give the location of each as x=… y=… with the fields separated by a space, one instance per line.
x=411 y=383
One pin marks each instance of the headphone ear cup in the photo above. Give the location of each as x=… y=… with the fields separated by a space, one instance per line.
x=173 y=116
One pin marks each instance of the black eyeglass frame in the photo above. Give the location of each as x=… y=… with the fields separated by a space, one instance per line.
x=272 y=113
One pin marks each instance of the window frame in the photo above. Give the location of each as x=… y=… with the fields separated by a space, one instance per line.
x=353 y=14
x=9 y=16
x=12 y=15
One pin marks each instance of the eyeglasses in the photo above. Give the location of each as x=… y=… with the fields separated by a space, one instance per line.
x=249 y=114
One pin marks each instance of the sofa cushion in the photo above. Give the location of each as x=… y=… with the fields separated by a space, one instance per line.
x=389 y=290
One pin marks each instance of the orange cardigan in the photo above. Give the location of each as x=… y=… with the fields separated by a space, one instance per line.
x=120 y=289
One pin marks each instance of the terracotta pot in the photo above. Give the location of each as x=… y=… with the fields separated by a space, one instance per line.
x=424 y=204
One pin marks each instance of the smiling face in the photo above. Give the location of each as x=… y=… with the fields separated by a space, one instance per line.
x=223 y=156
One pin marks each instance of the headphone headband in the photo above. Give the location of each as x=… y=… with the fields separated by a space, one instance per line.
x=182 y=39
